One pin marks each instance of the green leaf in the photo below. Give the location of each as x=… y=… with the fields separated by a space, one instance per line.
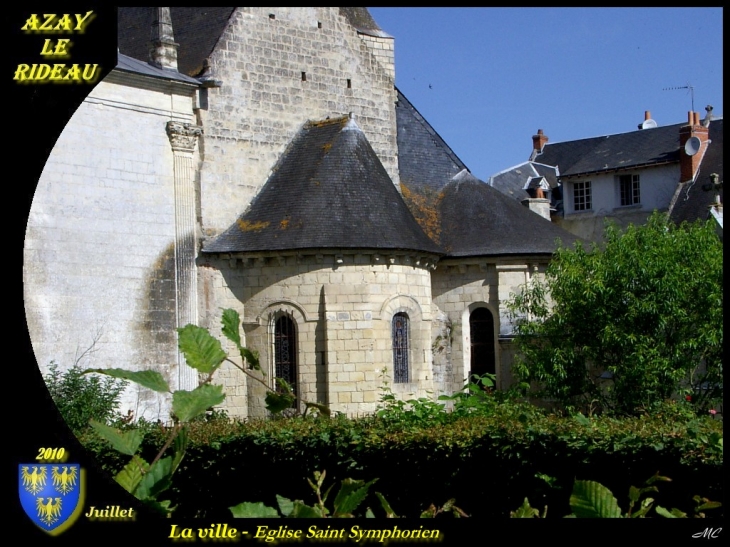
x=351 y=494
x=186 y=405
x=251 y=357
x=157 y=479
x=322 y=409
x=202 y=351
x=525 y=511
x=248 y=510
x=179 y=446
x=664 y=513
x=389 y=513
x=126 y=442
x=161 y=507
x=131 y=474
x=709 y=505
x=278 y=402
x=657 y=477
x=286 y=506
x=231 y=322
x=151 y=379
x=302 y=511
x=593 y=500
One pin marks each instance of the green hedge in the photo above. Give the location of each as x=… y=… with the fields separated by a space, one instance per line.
x=488 y=463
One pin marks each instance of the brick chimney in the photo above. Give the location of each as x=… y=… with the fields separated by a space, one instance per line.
x=690 y=164
x=163 y=49
x=538 y=142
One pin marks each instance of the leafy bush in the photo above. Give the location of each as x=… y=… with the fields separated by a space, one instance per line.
x=80 y=397
x=628 y=325
x=488 y=462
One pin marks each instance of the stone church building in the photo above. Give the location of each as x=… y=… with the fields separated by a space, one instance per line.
x=262 y=159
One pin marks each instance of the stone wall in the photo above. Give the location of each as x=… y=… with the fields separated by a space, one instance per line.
x=279 y=68
x=342 y=306
x=99 y=256
x=460 y=286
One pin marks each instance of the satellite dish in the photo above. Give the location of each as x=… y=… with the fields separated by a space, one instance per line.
x=693 y=146
x=648 y=124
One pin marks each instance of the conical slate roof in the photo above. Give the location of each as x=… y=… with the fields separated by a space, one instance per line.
x=478 y=220
x=329 y=190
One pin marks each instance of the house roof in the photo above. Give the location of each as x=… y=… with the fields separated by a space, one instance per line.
x=424 y=158
x=197 y=31
x=329 y=190
x=478 y=220
x=128 y=64
x=693 y=202
x=514 y=180
x=611 y=152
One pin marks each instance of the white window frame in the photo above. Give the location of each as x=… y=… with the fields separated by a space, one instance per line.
x=582 y=196
x=629 y=190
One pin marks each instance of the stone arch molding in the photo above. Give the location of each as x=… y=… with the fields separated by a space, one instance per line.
x=401 y=303
x=283 y=306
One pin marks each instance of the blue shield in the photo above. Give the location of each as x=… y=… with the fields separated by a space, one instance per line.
x=51 y=494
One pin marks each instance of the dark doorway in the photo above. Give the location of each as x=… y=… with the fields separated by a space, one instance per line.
x=481 y=332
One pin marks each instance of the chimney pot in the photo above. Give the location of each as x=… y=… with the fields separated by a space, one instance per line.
x=647 y=115
x=538 y=141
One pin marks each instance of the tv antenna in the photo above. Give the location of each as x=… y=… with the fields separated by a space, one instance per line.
x=691 y=90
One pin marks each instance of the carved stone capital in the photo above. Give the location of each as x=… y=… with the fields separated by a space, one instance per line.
x=183 y=136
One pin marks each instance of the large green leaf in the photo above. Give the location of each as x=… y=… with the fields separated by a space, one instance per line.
x=202 y=351
x=186 y=405
x=286 y=506
x=230 y=322
x=591 y=499
x=150 y=379
x=351 y=494
x=278 y=402
x=156 y=480
x=126 y=442
x=248 y=510
x=303 y=511
x=131 y=474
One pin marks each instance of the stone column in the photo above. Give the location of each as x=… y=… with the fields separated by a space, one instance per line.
x=183 y=137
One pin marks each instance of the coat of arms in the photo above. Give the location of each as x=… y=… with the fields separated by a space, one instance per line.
x=51 y=494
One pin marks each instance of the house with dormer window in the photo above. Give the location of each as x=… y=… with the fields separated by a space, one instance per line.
x=626 y=176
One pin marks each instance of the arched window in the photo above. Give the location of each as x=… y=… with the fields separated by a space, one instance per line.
x=481 y=333
x=400 y=348
x=285 y=351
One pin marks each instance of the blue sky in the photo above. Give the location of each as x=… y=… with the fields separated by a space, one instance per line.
x=487 y=79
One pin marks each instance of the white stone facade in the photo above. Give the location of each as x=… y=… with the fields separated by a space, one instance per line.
x=99 y=257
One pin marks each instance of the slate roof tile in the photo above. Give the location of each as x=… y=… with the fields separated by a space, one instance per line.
x=329 y=190
x=611 y=152
x=478 y=220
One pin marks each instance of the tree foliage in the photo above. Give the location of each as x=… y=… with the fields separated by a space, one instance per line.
x=629 y=324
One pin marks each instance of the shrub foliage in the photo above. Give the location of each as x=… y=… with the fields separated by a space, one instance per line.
x=629 y=325
x=80 y=397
